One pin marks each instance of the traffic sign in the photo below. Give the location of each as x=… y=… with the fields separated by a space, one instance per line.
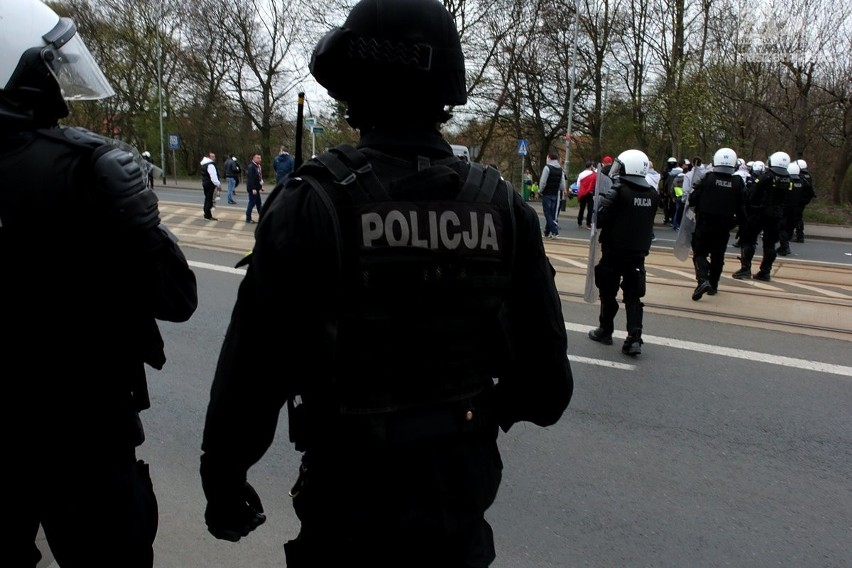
x=310 y=122
x=523 y=147
x=174 y=142
x=317 y=129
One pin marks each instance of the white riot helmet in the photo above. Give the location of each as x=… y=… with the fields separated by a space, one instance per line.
x=778 y=162
x=725 y=161
x=793 y=169
x=757 y=166
x=803 y=165
x=44 y=63
x=146 y=154
x=633 y=166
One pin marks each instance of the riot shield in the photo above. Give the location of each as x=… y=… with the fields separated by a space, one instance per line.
x=683 y=241
x=602 y=183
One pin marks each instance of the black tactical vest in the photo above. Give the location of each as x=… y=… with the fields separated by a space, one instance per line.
x=797 y=190
x=774 y=190
x=721 y=197
x=632 y=229
x=425 y=265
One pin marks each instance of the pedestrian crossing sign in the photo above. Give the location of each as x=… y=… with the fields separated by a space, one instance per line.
x=523 y=149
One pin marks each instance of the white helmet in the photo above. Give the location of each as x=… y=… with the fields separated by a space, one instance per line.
x=793 y=169
x=758 y=166
x=146 y=154
x=725 y=161
x=44 y=63
x=633 y=165
x=778 y=162
x=803 y=165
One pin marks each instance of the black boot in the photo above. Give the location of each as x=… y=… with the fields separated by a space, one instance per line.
x=632 y=345
x=701 y=289
x=743 y=273
x=601 y=335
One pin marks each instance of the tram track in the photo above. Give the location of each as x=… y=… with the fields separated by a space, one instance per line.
x=803 y=297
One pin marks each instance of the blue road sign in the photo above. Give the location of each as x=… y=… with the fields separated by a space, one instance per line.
x=174 y=142
x=523 y=148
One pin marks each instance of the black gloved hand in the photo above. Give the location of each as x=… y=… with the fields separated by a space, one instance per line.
x=233 y=512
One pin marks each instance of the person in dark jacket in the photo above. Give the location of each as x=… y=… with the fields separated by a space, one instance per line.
x=232 y=177
x=394 y=283
x=626 y=219
x=283 y=165
x=718 y=200
x=84 y=282
x=254 y=187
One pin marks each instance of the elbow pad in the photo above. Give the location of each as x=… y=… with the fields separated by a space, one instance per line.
x=120 y=192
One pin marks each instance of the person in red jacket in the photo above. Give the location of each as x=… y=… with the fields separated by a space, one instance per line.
x=586 y=194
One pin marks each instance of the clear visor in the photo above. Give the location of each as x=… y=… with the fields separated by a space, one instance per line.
x=75 y=70
x=615 y=169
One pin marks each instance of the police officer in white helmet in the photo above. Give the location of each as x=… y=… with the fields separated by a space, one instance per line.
x=626 y=219
x=88 y=269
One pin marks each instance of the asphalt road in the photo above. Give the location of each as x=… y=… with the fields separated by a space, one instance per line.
x=721 y=445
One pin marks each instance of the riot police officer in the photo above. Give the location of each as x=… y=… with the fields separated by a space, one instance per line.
x=626 y=218
x=88 y=269
x=766 y=213
x=801 y=193
x=808 y=195
x=718 y=201
x=390 y=284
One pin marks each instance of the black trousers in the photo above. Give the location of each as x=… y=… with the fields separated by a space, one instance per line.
x=626 y=271
x=99 y=513
x=586 y=203
x=709 y=243
x=419 y=505
x=209 y=191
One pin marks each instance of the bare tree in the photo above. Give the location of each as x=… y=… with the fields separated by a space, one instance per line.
x=266 y=65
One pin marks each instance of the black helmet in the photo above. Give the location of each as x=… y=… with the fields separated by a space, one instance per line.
x=399 y=50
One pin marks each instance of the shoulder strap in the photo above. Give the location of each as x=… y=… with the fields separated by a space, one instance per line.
x=480 y=184
x=350 y=167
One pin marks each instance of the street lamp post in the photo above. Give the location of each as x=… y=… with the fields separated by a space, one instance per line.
x=572 y=79
x=160 y=88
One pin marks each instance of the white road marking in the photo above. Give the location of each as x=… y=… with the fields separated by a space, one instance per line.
x=217 y=268
x=754 y=356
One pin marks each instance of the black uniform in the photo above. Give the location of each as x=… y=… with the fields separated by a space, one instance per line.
x=88 y=269
x=808 y=195
x=388 y=306
x=801 y=193
x=626 y=218
x=718 y=200
x=766 y=213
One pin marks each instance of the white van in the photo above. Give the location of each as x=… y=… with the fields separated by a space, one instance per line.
x=461 y=151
